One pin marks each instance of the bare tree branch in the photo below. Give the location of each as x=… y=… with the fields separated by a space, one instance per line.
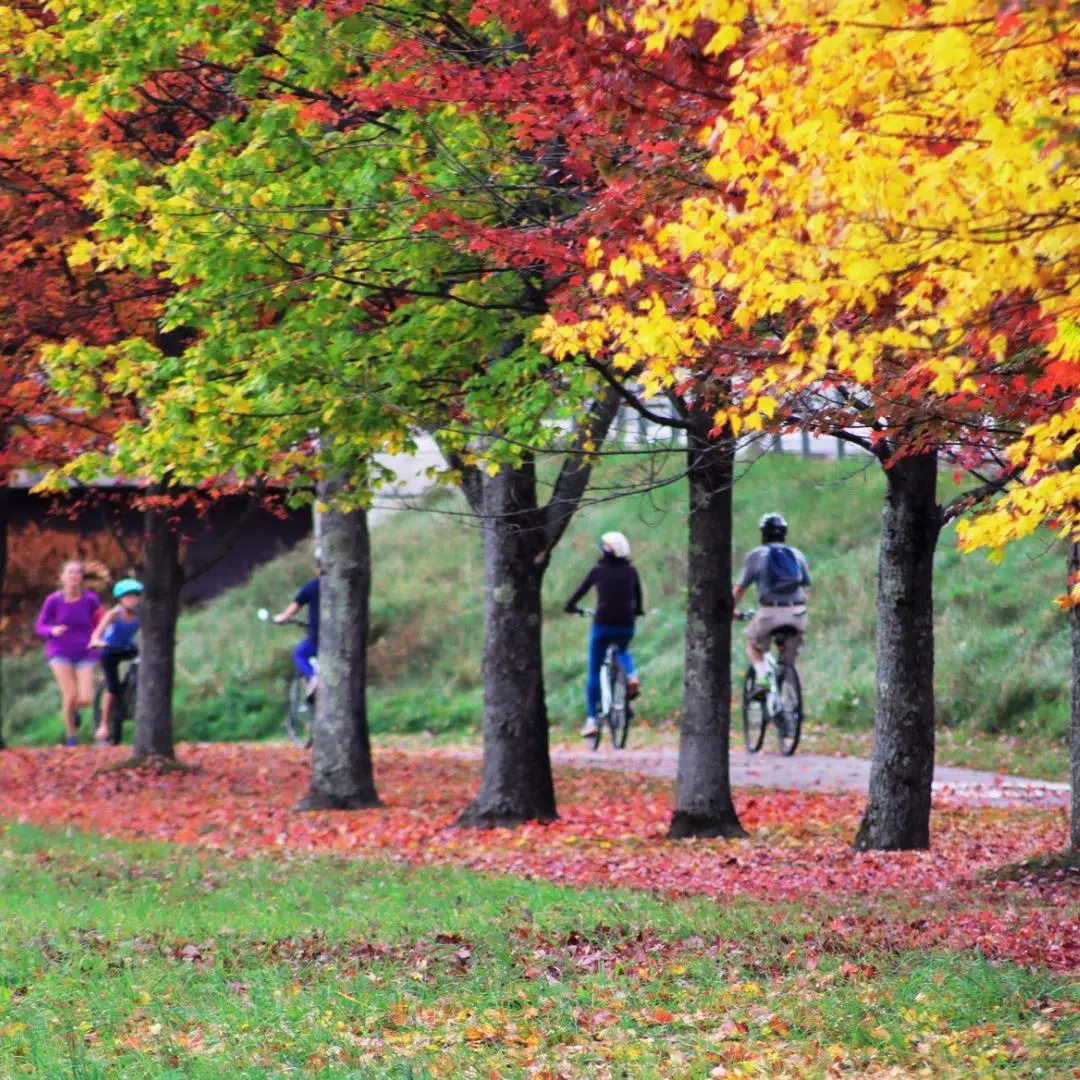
x=577 y=467
x=966 y=499
x=196 y=568
x=632 y=399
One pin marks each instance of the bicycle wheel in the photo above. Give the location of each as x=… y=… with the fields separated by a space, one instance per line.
x=605 y=703
x=299 y=711
x=619 y=713
x=788 y=720
x=754 y=716
x=99 y=693
x=124 y=706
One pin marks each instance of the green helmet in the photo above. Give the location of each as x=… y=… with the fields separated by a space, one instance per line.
x=128 y=585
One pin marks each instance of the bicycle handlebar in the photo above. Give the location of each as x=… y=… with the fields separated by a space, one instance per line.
x=744 y=616
x=264 y=616
x=585 y=612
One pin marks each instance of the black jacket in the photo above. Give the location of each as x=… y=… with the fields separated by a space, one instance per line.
x=618 y=592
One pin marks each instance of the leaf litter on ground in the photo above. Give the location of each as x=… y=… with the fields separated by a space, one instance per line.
x=611 y=833
x=137 y=960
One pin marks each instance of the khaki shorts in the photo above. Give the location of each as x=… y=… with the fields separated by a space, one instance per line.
x=768 y=619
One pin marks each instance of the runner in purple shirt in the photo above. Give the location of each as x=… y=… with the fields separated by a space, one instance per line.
x=67 y=621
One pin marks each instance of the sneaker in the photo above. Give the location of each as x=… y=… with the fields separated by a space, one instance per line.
x=71 y=741
x=633 y=687
x=590 y=728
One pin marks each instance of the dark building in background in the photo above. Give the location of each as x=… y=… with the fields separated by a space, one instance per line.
x=110 y=512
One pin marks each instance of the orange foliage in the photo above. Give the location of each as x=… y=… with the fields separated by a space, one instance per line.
x=35 y=556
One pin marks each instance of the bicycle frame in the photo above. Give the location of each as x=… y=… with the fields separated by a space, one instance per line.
x=607 y=695
x=774 y=665
x=605 y=682
x=782 y=680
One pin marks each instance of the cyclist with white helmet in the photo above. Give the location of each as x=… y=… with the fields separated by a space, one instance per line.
x=781 y=574
x=619 y=602
x=115 y=637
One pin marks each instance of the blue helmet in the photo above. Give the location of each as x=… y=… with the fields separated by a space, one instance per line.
x=127 y=586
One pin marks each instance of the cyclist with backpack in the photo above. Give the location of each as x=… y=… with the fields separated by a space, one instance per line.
x=619 y=602
x=781 y=574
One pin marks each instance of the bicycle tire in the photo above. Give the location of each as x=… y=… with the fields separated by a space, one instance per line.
x=619 y=713
x=754 y=718
x=124 y=706
x=789 y=724
x=99 y=693
x=298 y=711
x=605 y=692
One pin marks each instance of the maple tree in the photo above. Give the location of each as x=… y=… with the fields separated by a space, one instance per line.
x=44 y=147
x=616 y=126
x=607 y=150
x=848 y=214
x=56 y=295
x=351 y=311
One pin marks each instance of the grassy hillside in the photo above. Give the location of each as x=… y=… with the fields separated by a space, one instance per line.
x=1002 y=664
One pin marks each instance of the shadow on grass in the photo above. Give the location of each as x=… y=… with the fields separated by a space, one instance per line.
x=1063 y=866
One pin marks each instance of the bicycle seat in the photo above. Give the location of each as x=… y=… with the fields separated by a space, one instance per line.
x=784 y=634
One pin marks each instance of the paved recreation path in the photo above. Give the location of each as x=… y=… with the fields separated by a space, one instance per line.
x=811 y=772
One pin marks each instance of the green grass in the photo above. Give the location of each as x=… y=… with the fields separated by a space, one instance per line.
x=132 y=961
x=1002 y=657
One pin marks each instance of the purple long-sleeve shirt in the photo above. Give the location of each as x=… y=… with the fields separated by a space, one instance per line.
x=79 y=616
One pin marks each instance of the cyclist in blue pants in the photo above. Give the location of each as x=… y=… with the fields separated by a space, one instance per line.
x=308 y=649
x=619 y=602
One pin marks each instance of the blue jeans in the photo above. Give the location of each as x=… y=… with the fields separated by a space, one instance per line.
x=303 y=656
x=599 y=640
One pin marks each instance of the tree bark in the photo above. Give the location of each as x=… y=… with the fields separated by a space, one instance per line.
x=1074 y=718
x=898 y=813
x=703 y=803
x=342 y=776
x=516 y=785
x=159 y=610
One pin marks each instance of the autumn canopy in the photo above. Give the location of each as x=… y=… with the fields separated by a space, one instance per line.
x=270 y=243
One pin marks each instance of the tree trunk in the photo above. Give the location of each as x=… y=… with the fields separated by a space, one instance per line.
x=159 y=610
x=516 y=785
x=1074 y=719
x=703 y=803
x=342 y=777
x=898 y=813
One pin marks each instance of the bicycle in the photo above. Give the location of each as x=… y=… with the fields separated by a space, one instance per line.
x=299 y=705
x=123 y=706
x=782 y=705
x=615 y=709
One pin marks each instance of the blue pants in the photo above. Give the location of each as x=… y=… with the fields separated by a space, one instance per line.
x=599 y=640
x=302 y=657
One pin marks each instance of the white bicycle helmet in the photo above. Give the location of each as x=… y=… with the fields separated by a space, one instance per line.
x=616 y=543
